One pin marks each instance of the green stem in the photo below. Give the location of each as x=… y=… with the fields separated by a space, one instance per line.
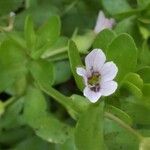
x=57 y=96
x=55 y=52
x=9 y=101
x=69 y=8
x=67 y=103
x=60 y=98
x=10 y=26
x=124 y=125
x=59 y=57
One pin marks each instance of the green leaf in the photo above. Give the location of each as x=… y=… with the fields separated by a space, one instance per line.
x=84 y=42
x=118 y=138
x=47 y=34
x=133 y=89
x=144 y=73
x=59 y=57
x=125 y=25
x=129 y=25
x=12 y=63
x=58 y=48
x=19 y=87
x=35 y=107
x=30 y=3
x=138 y=109
x=145 y=54
x=133 y=83
x=12 y=117
x=62 y=99
x=75 y=104
x=9 y=5
x=49 y=31
x=42 y=71
x=52 y=130
x=146 y=89
x=12 y=136
x=145 y=144
x=44 y=124
x=65 y=72
x=68 y=145
x=79 y=102
x=75 y=61
x=29 y=33
x=119 y=113
x=32 y=143
x=39 y=14
x=144 y=31
x=135 y=79
x=143 y=3
x=89 y=129
x=18 y=40
x=103 y=39
x=116 y=6
x=123 y=52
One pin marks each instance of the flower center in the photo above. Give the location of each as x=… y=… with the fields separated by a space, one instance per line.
x=93 y=81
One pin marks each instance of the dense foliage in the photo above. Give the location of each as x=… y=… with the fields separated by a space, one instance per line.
x=42 y=105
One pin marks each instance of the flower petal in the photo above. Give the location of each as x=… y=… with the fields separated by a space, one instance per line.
x=108 y=71
x=91 y=95
x=100 y=22
x=82 y=72
x=95 y=60
x=108 y=88
x=103 y=22
x=112 y=22
x=108 y=23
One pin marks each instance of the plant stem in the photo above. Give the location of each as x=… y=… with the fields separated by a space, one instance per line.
x=67 y=103
x=60 y=98
x=10 y=26
x=69 y=8
x=56 y=52
x=124 y=125
x=9 y=101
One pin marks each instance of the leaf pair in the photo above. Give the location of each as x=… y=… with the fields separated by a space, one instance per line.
x=47 y=34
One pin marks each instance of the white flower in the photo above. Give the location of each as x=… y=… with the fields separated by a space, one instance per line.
x=98 y=75
x=103 y=22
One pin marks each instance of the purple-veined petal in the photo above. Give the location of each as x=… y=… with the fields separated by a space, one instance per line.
x=95 y=60
x=82 y=72
x=108 y=88
x=91 y=95
x=108 y=71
